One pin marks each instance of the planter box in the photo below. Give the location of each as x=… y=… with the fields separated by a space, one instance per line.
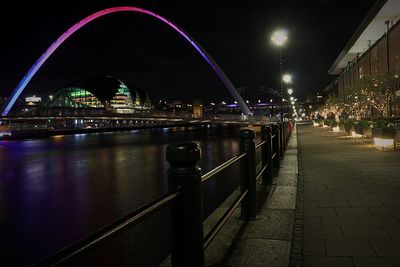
x=359 y=129
x=348 y=129
x=383 y=133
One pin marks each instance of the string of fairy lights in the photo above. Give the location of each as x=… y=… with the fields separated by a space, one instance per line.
x=365 y=98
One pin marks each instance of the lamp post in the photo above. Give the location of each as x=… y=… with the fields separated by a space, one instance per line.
x=279 y=38
x=286 y=78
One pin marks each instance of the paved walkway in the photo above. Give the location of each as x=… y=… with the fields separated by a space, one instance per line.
x=267 y=240
x=351 y=201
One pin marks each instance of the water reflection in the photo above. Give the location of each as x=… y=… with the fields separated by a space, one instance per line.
x=55 y=191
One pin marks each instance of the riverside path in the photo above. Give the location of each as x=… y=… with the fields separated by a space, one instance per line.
x=351 y=201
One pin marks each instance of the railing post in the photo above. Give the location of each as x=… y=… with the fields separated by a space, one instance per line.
x=275 y=145
x=281 y=139
x=187 y=245
x=266 y=154
x=248 y=174
x=284 y=135
x=287 y=131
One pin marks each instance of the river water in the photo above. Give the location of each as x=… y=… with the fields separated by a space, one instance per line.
x=58 y=190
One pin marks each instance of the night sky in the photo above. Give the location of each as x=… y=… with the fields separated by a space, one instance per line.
x=145 y=53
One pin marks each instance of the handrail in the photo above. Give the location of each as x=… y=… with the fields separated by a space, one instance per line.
x=261 y=172
x=221 y=167
x=221 y=222
x=108 y=231
x=135 y=217
x=260 y=144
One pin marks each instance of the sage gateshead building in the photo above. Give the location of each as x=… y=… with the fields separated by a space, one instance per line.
x=371 y=58
x=96 y=95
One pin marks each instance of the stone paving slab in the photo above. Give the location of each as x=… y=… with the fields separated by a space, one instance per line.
x=340 y=221
x=313 y=247
x=313 y=261
x=283 y=197
x=351 y=201
x=261 y=253
x=349 y=248
x=273 y=224
x=376 y=262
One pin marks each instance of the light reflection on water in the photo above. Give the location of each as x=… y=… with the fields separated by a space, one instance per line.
x=55 y=191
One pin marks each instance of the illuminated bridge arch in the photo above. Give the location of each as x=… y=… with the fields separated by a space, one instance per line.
x=32 y=71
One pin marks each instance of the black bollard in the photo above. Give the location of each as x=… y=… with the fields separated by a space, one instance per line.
x=266 y=154
x=187 y=245
x=248 y=174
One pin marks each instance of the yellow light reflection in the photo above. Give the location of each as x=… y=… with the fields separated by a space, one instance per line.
x=384 y=142
x=355 y=135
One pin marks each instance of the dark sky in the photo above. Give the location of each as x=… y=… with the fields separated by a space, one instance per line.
x=143 y=52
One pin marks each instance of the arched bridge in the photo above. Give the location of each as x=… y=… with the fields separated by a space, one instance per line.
x=38 y=64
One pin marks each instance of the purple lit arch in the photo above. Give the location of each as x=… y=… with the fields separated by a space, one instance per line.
x=32 y=71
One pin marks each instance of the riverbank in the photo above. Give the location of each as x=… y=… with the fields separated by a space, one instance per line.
x=44 y=133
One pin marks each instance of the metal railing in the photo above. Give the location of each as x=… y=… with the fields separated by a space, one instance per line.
x=185 y=198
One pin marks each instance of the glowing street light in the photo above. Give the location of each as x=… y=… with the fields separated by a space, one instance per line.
x=279 y=37
x=287 y=78
x=290 y=91
x=291 y=98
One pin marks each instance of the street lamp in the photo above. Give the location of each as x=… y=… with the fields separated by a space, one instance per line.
x=290 y=91
x=287 y=78
x=279 y=38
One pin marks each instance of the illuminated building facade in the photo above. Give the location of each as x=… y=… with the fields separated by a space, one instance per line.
x=101 y=93
x=371 y=56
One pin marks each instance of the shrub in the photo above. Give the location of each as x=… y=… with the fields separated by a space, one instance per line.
x=380 y=123
x=364 y=124
x=348 y=124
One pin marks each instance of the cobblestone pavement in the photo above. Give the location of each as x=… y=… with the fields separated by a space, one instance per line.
x=351 y=201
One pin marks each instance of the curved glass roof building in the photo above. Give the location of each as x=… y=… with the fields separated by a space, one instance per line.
x=101 y=92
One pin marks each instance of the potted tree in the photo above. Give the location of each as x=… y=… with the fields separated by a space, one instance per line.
x=381 y=130
x=348 y=126
x=361 y=127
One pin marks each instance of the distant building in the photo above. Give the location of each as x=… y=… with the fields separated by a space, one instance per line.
x=197 y=109
x=97 y=95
